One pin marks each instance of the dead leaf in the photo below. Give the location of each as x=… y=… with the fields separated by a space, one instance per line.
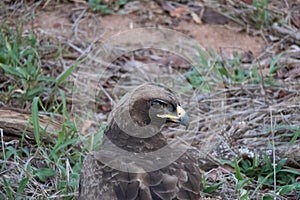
x=196 y=18
x=247 y=2
x=247 y=57
x=294 y=73
x=106 y=108
x=19 y=91
x=174 y=61
x=79 y=1
x=178 y=12
x=86 y=124
x=213 y=17
x=228 y=168
x=56 y=25
x=282 y=93
x=213 y=174
x=296 y=20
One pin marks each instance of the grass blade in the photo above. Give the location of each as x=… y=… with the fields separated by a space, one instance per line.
x=295 y=137
x=7 y=188
x=21 y=187
x=35 y=120
x=238 y=174
x=62 y=77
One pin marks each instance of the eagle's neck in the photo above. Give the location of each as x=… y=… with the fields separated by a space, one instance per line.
x=133 y=144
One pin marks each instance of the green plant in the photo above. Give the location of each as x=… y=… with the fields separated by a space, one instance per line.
x=260 y=174
x=94 y=142
x=207 y=72
x=105 y=8
x=210 y=69
x=273 y=65
x=261 y=13
x=238 y=73
x=59 y=162
x=197 y=80
x=295 y=136
x=242 y=182
x=263 y=173
x=20 y=61
x=210 y=188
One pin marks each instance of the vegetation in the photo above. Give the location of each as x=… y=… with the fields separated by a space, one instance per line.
x=104 y=7
x=48 y=166
x=24 y=81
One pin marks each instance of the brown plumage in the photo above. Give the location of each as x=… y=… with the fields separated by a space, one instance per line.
x=109 y=175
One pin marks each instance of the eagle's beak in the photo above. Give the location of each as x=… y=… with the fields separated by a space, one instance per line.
x=180 y=117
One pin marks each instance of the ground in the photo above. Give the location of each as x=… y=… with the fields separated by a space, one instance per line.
x=218 y=37
x=239 y=84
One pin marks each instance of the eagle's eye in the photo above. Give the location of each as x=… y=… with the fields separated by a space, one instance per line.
x=161 y=104
x=157 y=104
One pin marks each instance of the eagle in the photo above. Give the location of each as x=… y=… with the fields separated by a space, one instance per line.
x=135 y=160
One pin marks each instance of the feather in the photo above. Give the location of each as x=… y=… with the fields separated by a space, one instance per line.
x=130 y=180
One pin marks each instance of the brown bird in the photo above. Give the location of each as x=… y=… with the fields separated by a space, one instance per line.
x=136 y=161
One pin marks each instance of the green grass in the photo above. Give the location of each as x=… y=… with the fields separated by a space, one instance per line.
x=105 y=8
x=261 y=13
x=256 y=16
x=210 y=188
x=254 y=176
x=207 y=72
x=60 y=162
x=39 y=170
x=211 y=69
x=20 y=61
x=262 y=174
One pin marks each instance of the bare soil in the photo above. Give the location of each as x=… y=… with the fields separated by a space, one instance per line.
x=59 y=22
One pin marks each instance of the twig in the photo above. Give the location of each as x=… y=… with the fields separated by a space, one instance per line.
x=107 y=95
x=76 y=22
x=2 y=142
x=273 y=149
x=63 y=195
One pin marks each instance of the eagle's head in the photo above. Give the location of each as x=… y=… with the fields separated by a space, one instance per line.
x=150 y=105
x=136 y=121
x=156 y=105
